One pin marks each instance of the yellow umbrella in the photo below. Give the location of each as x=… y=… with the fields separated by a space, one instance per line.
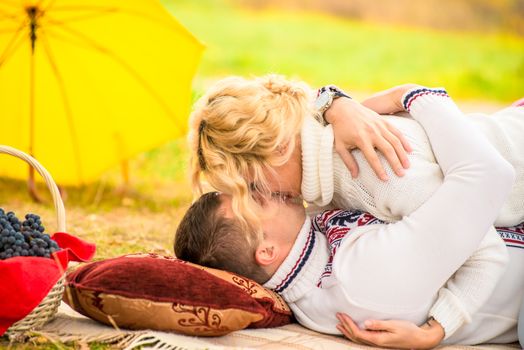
x=86 y=84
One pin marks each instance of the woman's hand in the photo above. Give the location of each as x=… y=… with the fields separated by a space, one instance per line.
x=392 y=334
x=355 y=126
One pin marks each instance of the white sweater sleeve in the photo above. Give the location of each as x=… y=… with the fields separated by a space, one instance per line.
x=471 y=285
x=427 y=247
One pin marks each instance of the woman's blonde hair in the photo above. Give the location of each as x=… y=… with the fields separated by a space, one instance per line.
x=241 y=128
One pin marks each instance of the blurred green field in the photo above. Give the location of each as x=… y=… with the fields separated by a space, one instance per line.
x=357 y=56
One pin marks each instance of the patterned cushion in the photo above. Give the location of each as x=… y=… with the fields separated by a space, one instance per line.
x=148 y=291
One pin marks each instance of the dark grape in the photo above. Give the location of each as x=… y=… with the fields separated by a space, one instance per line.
x=24 y=238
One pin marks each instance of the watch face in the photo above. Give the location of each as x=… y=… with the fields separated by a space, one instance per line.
x=323 y=100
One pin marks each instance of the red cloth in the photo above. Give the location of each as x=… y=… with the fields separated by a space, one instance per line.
x=26 y=281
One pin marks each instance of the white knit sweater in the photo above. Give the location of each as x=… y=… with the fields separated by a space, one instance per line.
x=327 y=181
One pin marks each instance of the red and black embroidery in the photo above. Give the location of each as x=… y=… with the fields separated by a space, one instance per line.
x=335 y=225
x=512 y=236
x=412 y=96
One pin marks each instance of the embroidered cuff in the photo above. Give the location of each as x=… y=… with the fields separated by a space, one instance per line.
x=412 y=95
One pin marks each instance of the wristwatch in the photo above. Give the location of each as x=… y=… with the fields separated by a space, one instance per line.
x=325 y=97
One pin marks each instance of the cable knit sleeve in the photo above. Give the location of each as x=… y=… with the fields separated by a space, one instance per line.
x=471 y=285
x=428 y=246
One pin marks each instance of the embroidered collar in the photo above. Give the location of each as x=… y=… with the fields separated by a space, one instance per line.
x=303 y=266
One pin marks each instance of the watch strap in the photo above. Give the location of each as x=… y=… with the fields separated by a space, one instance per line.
x=335 y=93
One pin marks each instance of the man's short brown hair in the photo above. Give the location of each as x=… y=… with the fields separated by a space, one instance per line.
x=206 y=237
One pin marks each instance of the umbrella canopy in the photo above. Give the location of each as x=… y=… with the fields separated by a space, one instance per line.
x=85 y=84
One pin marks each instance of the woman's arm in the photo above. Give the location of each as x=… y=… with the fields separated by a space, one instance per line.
x=388 y=101
x=472 y=284
x=417 y=255
x=396 y=334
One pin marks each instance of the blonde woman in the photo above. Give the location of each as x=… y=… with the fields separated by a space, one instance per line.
x=261 y=134
x=246 y=144
x=264 y=134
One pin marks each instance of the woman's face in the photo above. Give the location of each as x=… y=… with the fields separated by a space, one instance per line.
x=285 y=180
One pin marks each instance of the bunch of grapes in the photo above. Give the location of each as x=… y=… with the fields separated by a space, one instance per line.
x=26 y=238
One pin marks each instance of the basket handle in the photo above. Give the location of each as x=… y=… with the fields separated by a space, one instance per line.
x=51 y=185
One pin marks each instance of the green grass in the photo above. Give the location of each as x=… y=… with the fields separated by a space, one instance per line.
x=358 y=56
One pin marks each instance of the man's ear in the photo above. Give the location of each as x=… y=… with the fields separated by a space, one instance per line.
x=266 y=253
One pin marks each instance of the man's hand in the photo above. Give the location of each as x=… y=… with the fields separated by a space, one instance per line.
x=355 y=126
x=392 y=334
x=388 y=101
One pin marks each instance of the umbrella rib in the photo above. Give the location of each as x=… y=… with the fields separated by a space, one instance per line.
x=49 y=5
x=166 y=22
x=106 y=11
x=105 y=51
x=8 y=15
x=65 y=99
x=95 y=10
x=8 y=30
x=12 y=46
x=76 y=8
x=113 y=10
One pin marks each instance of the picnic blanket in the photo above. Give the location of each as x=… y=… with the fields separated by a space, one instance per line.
x=71 y=326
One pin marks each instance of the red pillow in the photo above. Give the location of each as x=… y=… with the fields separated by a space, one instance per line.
x=148 y=291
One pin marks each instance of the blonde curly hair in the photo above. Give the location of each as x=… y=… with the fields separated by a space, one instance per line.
x=241 y=128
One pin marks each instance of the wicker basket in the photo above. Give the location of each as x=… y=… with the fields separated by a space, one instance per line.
x=47 y=309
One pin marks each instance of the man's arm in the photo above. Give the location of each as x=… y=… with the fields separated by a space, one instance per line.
x=464 y=293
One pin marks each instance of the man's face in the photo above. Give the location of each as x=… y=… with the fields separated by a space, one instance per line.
x=282 y=218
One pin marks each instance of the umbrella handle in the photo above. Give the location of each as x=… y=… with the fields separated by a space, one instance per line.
x=51 y=185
